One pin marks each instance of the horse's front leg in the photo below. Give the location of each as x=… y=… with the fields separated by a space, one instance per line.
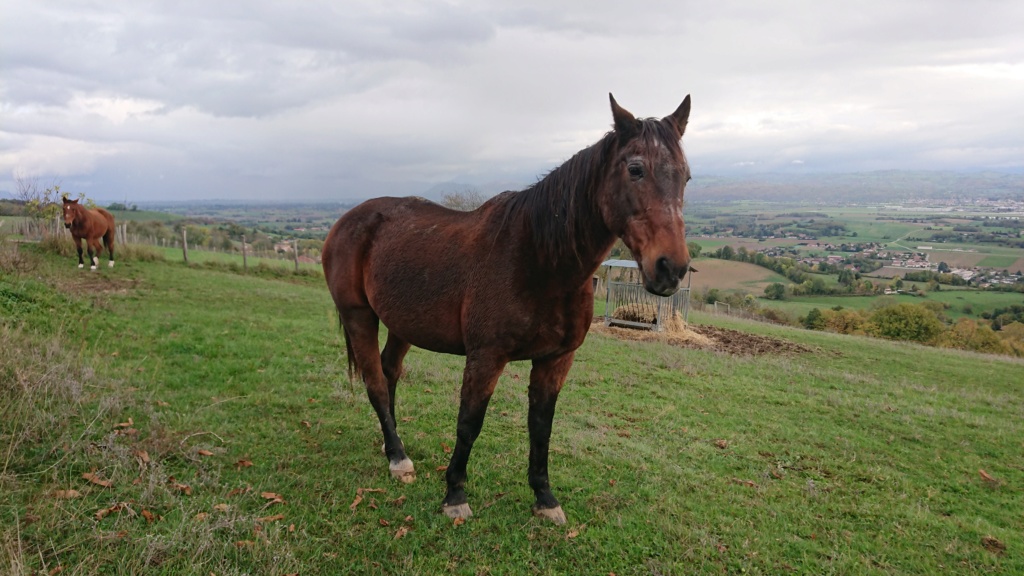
x=478 y=382
x=546 y=381
x=78 y=246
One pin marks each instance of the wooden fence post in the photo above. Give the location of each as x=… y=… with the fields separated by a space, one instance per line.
x=184 y=244
x=295 y=245
x=245 y=260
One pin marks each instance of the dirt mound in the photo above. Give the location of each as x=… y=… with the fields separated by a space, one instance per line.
x=703 y=337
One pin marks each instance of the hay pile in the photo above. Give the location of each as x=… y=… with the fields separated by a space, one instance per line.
x=675 y=332
x=636 y=313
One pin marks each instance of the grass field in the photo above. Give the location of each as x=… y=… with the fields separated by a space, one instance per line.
x=977 y=302
x=216 y=407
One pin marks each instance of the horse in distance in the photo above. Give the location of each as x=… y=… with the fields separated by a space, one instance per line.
x=91 y=225
x=509 y=281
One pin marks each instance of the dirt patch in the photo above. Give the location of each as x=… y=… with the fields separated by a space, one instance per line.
x=703 y=337
x=91 y=283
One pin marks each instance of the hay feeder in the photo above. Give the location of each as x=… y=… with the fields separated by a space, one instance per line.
x=628 y=304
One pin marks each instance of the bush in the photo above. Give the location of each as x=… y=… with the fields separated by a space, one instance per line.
x=905 y=322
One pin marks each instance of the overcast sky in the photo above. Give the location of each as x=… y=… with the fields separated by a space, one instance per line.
x=177 y=100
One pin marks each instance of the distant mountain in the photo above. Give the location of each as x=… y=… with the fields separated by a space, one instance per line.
x=857 y=187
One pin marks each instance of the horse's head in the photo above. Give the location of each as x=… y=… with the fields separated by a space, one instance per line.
x=70 y=211
x=642 y=200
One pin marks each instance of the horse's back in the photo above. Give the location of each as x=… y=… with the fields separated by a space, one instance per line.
x=410 y=260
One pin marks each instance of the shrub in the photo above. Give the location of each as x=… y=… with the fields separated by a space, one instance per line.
x=905 y=322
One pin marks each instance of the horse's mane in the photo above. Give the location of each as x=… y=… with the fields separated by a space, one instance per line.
x=560 y=211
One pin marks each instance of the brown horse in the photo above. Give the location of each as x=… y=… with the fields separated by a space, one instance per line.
x=508 y=281
x=92 y=225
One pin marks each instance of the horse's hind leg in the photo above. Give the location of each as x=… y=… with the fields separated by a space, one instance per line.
x=391 y=362
x=546 y=381
x=361 y=326
x=94 y=252
x=108 y=241
x=478 y=382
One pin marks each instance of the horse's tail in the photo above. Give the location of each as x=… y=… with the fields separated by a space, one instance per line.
x=352 y=366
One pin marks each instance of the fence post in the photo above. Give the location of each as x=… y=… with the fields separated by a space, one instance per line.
x=295 y=245
x=245 y=260
x=184 y=244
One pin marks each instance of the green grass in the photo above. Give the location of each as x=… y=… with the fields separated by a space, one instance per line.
x=977 y=301
x=861 y=457
x=994 y=261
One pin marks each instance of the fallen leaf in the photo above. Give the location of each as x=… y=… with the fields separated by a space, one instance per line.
x=148 y=516
x=204 y=452
x=56 y=570
x=291 y=527
x=401 y=532
x=355 y=502
x=162 y=403
x=442 y=468
x=200 y=516
x=427 y=390
x=613 y=482
x=221 y=507
x=987 y=477
x=447 y=449
x=238 y=491
x=572 y=534
x=272 y=498
x=384 y=522
x=721 y=444
x=398 y=501
x=306 y=424
x=67 y=494
x=183 y=488
x=143 y=456
x=97 y=480
x=104 y=512
x=408 y=418
x=127 y=424
x=459 y=521
x=408 y=519
x=273 y=518
x=244 y=543
x=750 y=483
x=243 y=464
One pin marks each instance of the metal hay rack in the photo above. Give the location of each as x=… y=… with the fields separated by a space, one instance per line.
x=627 y=303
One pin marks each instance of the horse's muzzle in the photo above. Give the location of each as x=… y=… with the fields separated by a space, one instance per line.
x=68 y=226
x=666 y=277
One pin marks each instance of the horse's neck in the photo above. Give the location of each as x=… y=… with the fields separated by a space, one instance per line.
x=565 y=222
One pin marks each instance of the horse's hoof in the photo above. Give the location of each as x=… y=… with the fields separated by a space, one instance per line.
x=554 y=514
x=92 y=267
x=403 y=471
x=457 y=511
x=111 y=264
x=80 y=266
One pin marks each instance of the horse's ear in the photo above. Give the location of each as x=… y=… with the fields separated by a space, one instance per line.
x=679 y=118
x=625 y=123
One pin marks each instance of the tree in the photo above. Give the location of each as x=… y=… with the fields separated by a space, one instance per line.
x=465 y=200
x=943 y=268
x=813 y=320
x=905 y=322
x=775 y=291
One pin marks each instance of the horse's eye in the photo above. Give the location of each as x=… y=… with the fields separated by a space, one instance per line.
x=636 y=170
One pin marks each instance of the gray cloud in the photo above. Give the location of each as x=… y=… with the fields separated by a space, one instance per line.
x=276 y=100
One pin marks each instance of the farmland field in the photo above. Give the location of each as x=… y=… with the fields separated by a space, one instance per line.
x=171 y=419
x=729 y=275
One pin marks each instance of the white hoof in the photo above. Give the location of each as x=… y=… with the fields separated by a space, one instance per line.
x=92 y=267
x=80 y=266
x=95 y=262
x=110 y=264
x=457 y=511
x=403 y=471
x=554 y=514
